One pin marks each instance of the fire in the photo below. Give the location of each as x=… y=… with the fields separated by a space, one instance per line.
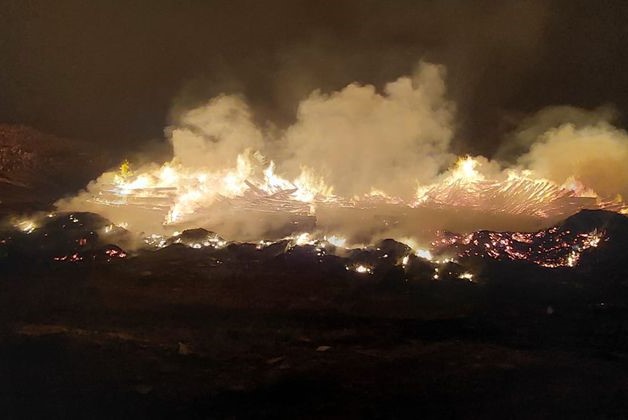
x=425 y=254
x=465 y=170
x=181 y=191
x=361 y=269
x=174 y=194
x=466 y=276
x=337 y=241
x=547 y=248
x=303 y=239
x=515 y=192
x=26 y=225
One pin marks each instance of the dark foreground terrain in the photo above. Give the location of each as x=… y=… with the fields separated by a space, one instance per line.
x=178 y=333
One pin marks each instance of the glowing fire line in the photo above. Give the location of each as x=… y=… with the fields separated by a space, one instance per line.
x=180 y=192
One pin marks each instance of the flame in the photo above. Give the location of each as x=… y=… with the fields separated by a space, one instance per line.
x=177 y=193
x=466 y=276
x=337 y=241
x=424 y=253
x=361 y=268
x=520 y=192
x=26 y=225
x=465 y=170
x=303 y=239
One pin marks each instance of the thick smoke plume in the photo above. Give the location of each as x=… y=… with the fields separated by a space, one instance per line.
x=594 y=155
x=212 y=136
x=356 y=139
x=360 y=141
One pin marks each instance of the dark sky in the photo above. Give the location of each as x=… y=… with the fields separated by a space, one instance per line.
x=109 y=72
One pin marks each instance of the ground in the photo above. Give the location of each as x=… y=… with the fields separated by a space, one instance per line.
x=162 y=336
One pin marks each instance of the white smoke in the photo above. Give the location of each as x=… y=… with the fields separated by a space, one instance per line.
x=213 y=135
x=533 y=127
x=358 y=140
x=594 y=155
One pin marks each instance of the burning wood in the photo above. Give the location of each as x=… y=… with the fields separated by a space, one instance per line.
x=172 y=186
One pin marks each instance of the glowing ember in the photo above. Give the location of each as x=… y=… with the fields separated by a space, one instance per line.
x=69 y=258
x=466 y=276
x=405 y=260
x=548 y=248
x=424 y=253
x=26 y=226
x=360 y=268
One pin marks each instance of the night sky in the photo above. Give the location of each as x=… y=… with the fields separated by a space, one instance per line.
x=110 y=72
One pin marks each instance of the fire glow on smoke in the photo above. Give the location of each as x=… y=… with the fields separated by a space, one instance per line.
x=360 y=165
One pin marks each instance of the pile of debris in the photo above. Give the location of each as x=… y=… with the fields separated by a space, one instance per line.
x=64 y=237
x=560 y=246
x=88 y=237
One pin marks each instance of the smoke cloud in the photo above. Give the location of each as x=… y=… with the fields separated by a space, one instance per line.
x=531 y=128
x=594 y=155
x=361 y=140
x=212 y=136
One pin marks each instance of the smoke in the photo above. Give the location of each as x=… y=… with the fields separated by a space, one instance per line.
x=213 y=135
x=357 y=141
x=531 y=128
x=567 y=143
x=360 y=140
x=594 y=155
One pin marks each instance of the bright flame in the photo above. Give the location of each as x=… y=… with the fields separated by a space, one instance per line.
x=424 y=253
x=465 y=170
x=303 y=239
x=176 y=194
x=362 y=269
x=337 y=241
x=466 y=276
x=26 y=225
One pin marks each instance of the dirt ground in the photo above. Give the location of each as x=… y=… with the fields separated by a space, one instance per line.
x=162 y=337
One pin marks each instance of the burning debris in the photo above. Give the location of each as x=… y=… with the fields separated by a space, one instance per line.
x=197 y=238
x=173 y=196
x=554 y=247
x=63 y=237
x=79 y=237
x=518 y=193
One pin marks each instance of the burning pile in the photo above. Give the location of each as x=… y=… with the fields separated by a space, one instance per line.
x=85 y=237
x=64 y=237
x=519 y=193
x=553 y=247
x=175 y=196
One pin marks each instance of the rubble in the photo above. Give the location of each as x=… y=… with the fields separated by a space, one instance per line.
x=559 y=246
x=63 y=237
x=87 y=237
